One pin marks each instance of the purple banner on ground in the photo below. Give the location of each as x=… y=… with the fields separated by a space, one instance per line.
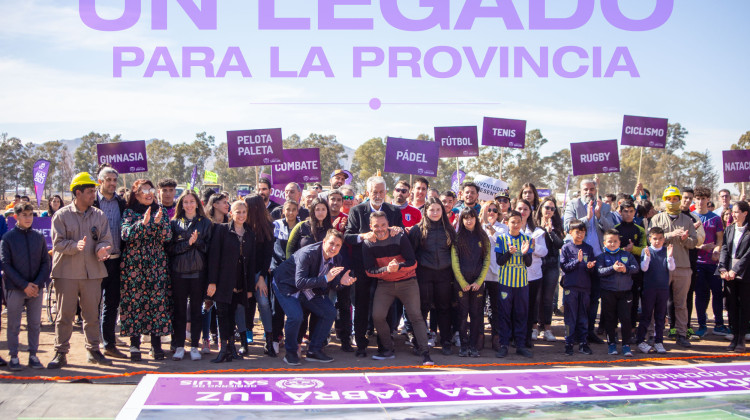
x=42 y=225
x=457 y=141
x=254 y=147
x=595 y=157
x=736 y=165
x=457 y=179
x=439 y=388
x=644 y=131
x=41 y=168
x=416 y=157
x=126 y=157
x=503 y=132
x=298 y=165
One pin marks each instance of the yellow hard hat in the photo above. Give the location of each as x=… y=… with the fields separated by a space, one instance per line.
x=83 y=178
x=671 y=191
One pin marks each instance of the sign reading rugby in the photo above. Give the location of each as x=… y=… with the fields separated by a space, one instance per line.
x=298 y=165
x=126 y=157
x=502 y=132
x=254 y=147
x=457 y=141
x=736 y=165
x=416 y=157
x=595 y=157
x=644 y=131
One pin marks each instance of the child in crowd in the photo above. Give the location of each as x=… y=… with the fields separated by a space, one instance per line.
x=616 y=266
x=578 y=263
x=656 y=263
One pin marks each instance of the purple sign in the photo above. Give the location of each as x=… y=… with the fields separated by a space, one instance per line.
x=457 y=141
x=126 y=157
x=595 y=157
x=193 y=177
x=277 y=190
x=457 y=179
x=644 y=131
x=254 y=147
x=544 y=192
x=42 y=225
x=41 y=168
x=359 y=390
x=503 y=132
x=416 y=157
x=736 y=165
x=298 y=165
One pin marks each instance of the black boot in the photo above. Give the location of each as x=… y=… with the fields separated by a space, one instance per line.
x=233 y=349
x=244 y=350
x=224 y=353
x=269 y=347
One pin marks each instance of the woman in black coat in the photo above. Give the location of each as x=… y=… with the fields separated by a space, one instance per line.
x=231 y=274
x=734 y=265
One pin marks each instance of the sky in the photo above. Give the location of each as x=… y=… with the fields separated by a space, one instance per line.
x=56 y=73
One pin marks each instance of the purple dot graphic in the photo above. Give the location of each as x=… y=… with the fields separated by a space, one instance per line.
x=375 y=104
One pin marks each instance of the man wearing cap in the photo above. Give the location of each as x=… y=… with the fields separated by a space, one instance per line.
x=338 y=178
x=679 y=231
x=82 y=241
x=502 y=198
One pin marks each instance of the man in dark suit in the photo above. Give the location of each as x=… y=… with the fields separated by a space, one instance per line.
x=357 y=231
x=302 y=282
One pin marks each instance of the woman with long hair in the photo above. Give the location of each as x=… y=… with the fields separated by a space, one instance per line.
x=217 y=208
x=312 y=230
x=145 y=306
x=230 y=276
x=548 y=218
x=432 y=240
x=54 y=204
x=470 y=258
x=188 y=252
x=734 y=269
x=535 y=269
x=490 y=216
x=529 y=193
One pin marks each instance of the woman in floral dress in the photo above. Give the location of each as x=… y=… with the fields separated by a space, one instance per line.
x=146 y=302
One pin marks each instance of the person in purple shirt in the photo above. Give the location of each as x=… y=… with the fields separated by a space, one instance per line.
x=707 y=283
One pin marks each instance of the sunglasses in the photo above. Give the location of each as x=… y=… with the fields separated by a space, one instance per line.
x=492 y=211
x=148 y=191
x=503 y=200
x=401 y=190
x=549 y=208
x=348 y=197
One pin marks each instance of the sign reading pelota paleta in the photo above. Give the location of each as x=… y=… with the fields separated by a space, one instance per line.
x=254 y=147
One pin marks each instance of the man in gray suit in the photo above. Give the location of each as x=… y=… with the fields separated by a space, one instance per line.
x=590 y=209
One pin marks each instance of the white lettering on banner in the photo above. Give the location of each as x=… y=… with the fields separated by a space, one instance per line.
x=257 y=139
x=254 y=150
x=303 y=165
x=455 y=141
x=595 y=157
x=40 y=177
x=123 y=157
x=504 y=132
x=411 y=156
x=645 y=131
x=736 y=166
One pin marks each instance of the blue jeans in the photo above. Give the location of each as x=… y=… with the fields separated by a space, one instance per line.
x=264 y=307
x=318 y=306
x=709 y=286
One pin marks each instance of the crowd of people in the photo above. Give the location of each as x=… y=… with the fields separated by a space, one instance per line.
x=427 y=264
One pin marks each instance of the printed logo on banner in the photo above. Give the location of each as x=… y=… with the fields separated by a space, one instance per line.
x=298 y=165
x=736 y=165
x=503 y=132
x=416 y=157
x=457 y=141
x=126 y=157
x=254 y=147
x=595 y=157
x=299 y=383
x=644 y=131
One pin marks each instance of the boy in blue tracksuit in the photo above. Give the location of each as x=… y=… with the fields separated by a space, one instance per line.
x=616 y=266
x=656 y=263
x=578 y=264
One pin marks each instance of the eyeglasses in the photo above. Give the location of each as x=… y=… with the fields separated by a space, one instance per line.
x=348 y=197
x=401 y=190
x=549 y=208
x=492 y=211
x=148 y=191
x=503 y=200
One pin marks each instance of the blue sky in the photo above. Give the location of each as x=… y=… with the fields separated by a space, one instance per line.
x=56 y=75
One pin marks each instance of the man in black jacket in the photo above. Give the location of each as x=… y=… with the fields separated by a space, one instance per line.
x=303 y=281
x=112 y=205
x=357 y=231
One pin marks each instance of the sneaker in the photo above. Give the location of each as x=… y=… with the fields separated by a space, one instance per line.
x=702 y=330
x=747 y=337
x=626 y=351
x=291 y=359
x=548 y=336
x=524 y=352
x=729 y=337
x=276 y=347
x=318 y=356
x=474 y=353
x=384 y=355
x=721 y=330
x=672 y=334
x=179 y=353
x=427 y=360
x=464 y=352
x=195 y=354
x=569 y=349
x=456 y=340
x=612 y=349
x=206 y=349
x=534 y=334
x=59 y=361
x=683 y=341
x=431 y=339
x=691 y=335
x=585 y=349
x=34 y=362
x=97 y=358
x=644 y=347
x=659 y=347
x=502 y=352
x=15 y=364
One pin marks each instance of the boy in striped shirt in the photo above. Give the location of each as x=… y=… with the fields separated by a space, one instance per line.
x=513 y=252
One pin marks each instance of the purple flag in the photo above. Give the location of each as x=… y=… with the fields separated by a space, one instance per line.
x=457 y=141
x=644 y=131
x=416 y=157
x=736 y=165
x=254 y=147
x=299 y=165
x=42 y=225
x=595 y=157
x=41 y=168
x=126 y=157
x=192 y=178
x=456 y=179
x=349 y=177
x=503 y=132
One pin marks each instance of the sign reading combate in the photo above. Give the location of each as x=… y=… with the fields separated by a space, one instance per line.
x=736 y=165
x=298 y=165
x=126 y=157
